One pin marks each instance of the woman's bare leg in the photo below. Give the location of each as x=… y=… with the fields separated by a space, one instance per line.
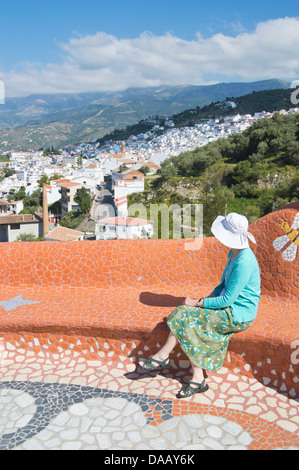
x=164 y=352
x=198 y=374
x=199 y=385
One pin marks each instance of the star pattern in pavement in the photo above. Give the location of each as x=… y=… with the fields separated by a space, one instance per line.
x=16 y=302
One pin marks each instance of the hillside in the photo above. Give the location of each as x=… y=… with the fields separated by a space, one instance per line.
x=33 y=122
x=251 y=173
x=266 y=100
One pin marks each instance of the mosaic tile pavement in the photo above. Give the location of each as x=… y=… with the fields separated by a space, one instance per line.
x=69 y=403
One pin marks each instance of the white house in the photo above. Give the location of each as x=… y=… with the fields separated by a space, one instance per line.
x=68 y=192
x=94 y=171
x=121 y=205
x=126 y=163
x=12 y=226
x=53 y=193
x=123 y=228
x=22 y=176
x=127 y=182
x=88 y=182
x=16 y=206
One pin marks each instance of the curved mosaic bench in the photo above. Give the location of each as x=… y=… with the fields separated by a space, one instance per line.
x=110 y=297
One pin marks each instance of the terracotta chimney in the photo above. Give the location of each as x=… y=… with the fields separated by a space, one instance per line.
x=45 y=211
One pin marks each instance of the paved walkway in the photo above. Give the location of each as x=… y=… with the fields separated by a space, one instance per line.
x=50 y=402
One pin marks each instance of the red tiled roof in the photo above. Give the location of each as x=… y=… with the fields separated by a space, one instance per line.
x=127 y=160
x=129 y=174
x=3 y=202
x=62 y=180
x=20 y=219
x=69 y=184
x=64 y=234
x=151 y=165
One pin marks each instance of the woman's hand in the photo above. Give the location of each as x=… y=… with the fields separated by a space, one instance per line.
x=193 y=302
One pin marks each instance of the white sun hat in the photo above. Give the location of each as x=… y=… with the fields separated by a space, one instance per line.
x=232 y=231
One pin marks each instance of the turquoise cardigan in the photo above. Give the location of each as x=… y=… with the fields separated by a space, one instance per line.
x=240 y=287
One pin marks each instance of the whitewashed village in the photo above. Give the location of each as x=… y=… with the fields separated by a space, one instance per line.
x=109 y=173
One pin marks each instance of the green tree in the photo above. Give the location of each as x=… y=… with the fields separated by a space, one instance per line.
x=26 y=237
x=292 y=153
x=36 y=198
x=18 y=196
x=288 y=189
x=216 y=199
x=144 y=169
x=244 y=171
x=83 y=200
x=32 y=203
x=43 y=180
x=72 y=220
x=167 y=169
x=8 y=172
x=56 y=176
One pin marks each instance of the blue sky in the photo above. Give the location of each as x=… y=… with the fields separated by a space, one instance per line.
x=42 y=38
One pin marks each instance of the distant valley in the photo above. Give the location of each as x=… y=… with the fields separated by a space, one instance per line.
x=43 y=121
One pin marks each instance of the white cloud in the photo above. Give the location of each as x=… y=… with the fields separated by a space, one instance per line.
x=102 y=62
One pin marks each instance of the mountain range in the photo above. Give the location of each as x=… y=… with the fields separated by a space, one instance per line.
x=43 y=121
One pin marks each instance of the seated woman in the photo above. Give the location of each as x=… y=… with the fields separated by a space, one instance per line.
x=204 y=327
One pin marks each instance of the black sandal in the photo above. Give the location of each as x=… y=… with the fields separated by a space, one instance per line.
x=188 y=391
x=148 y=364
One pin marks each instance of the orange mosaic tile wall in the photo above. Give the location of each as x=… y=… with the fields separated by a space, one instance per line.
x=119 y=262
x=112 y=296
x=278 y=252
x=148 y=262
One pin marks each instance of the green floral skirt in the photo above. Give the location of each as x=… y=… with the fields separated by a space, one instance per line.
x=204 y=334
